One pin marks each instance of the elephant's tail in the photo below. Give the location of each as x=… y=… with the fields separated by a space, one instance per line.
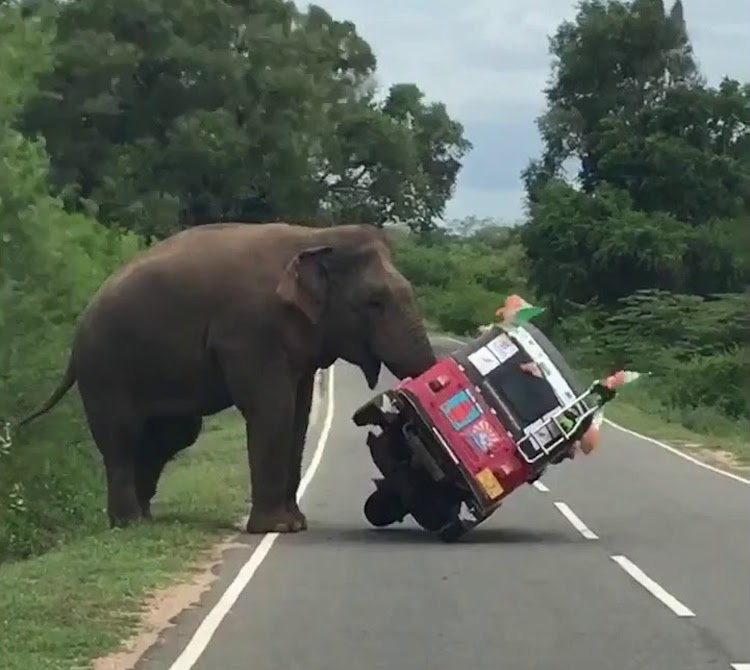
x=63 y=387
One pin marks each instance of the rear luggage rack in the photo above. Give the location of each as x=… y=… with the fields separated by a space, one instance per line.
x=558 y=427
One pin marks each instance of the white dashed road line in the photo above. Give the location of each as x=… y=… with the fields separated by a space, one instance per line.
x=652 y=587
x=740 y=666
x=627 y=565
x=576 y=522
x=202 y=636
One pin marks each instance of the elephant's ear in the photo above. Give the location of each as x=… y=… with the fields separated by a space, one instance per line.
x=304 y=283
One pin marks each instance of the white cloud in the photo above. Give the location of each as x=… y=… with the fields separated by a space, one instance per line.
x=444 y=49
x=488 y=61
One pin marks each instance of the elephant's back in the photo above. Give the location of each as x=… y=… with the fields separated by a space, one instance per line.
x=199 y=271
x=169 y=293
x=190 y=260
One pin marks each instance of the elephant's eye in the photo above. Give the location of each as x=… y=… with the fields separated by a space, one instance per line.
x=376 y=303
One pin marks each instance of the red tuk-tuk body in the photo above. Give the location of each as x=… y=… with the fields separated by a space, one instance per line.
x=455 y=441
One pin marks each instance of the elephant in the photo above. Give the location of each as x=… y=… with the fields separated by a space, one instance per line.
x=242 y=315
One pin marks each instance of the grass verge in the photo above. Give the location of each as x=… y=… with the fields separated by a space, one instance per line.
x=76 y=603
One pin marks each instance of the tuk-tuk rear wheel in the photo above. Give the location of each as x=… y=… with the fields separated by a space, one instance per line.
x=383 y=508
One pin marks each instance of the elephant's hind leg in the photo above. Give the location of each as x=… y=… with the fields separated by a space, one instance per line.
x=116 y=435
x=161 y=439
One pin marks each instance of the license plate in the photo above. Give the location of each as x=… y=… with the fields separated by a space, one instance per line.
x=489 y=483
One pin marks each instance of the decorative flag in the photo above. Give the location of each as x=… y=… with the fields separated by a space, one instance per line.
x=621 y=378
x=606 y=390
x=517 y=310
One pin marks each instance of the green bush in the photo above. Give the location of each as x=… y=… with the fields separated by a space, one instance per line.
x=50 y=264
x=696 y=348
x=462 y=281
x=715 y=380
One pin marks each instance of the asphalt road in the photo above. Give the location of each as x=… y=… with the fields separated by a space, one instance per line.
x=553 y=581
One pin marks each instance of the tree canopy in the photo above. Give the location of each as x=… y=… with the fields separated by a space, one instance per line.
x=160 y=115
x=662 y=194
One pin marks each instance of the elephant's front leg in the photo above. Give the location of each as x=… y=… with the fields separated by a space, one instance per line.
x=302 y=407
x=270 y=433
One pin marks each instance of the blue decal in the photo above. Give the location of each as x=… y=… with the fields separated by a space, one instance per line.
x=461 y=410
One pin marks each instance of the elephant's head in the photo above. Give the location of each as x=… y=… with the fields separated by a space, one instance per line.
x=356 y=305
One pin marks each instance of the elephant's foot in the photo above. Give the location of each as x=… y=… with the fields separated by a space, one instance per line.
x=146 y=511
x=297 y=514
x=123 y=520
x=281 y=521
x=123 y=503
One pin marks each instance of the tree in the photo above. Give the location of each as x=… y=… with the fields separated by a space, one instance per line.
x=50 y=264
x=163 y=115
x=385 y=142
x=615 y=59
x=686 y=154
x=664 y=180
x=596 y=248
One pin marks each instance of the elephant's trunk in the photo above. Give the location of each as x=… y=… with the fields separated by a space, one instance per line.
x=408 y=352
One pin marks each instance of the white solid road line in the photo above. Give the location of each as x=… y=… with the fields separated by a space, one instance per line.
x=540 y=487
x=571 y=516
x=741 y=666
x=202 y=636
x=679 y=453
x=315 y=407
x=663 y=445
x=652 y=587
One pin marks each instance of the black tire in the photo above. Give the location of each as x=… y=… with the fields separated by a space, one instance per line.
x=383 y=508
x=453 y=531
x=431 y=519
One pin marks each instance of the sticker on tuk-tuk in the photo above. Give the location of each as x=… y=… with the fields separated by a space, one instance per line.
x=461 y=410
x=482 y=435
x=484 y=361
x=489 y=483
x=503 y=347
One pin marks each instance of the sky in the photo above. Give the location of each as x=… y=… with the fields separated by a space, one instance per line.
x=487 y=60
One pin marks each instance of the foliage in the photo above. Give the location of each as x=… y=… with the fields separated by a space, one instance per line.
x=664 y=181
x=693 y=345
x=50 y=263
x=615 y=60
x=79 y=602
x=643 y=260
x=461 y=280
x=161 y=115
